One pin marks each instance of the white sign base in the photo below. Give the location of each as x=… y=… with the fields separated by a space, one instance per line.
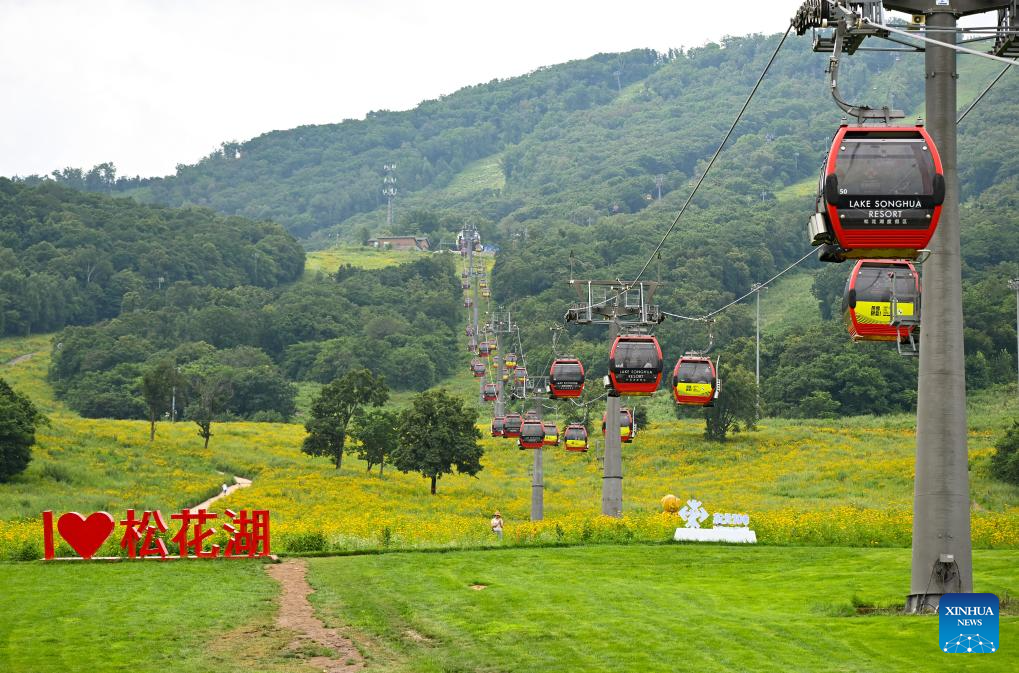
x=720 y=534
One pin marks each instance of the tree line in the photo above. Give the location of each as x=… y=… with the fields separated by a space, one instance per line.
x=242 y=347
x=70 y=258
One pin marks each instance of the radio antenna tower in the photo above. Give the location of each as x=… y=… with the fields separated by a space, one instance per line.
x=389 y=191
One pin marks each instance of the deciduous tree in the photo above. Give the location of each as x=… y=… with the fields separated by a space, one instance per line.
x=158 y=383
x=437 y=434
x=208 y=392
x=376 y=431
x=18 y=421
x=335 y=406
x=736 y=403
x=1005 y=461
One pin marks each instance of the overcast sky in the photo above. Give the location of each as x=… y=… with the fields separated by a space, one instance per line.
x=149 y=84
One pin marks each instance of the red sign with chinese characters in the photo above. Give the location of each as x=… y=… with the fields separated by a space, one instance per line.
x=144 y=536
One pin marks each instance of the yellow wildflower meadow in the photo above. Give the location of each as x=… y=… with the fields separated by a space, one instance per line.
x=799 y=485
x=801 y=482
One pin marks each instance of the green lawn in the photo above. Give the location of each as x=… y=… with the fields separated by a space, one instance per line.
x=801 y=190
x=159 y=617
x=650 y=608
x=597 y=608
x=28 y=376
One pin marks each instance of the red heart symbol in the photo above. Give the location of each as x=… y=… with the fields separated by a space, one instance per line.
x=85 y=536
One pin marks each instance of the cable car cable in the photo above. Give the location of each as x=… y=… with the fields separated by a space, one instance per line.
x=707 y=170
x=682 y=317
x=657 y=250
x=718 y=151
x=981 y=96
x=1008 y=63
x=773 y=278
x=726 y=138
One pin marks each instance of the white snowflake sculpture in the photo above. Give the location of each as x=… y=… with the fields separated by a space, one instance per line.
x=693 y=513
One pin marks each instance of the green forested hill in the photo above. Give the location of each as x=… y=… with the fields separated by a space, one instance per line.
x=401 y=322
x=72 y=258
x=569 y=141
x=564 y=160
x=314 y=177
x=138 y=287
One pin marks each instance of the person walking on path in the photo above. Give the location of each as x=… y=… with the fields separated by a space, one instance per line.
x=497 y=525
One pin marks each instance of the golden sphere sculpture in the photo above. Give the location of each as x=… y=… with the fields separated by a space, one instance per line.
x=670 y=504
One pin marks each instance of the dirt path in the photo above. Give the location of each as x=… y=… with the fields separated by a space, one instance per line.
x=239 y=482
x=296 y=614
x=18 y=360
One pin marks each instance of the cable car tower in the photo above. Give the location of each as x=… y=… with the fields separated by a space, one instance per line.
x=499 y=323
x=622 y=306
x=467 y=238
x=942 y=548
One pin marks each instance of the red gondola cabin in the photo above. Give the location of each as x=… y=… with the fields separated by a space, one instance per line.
x=880 y=193
x=566 y=378
x=497 y=426
x=511 y=426
x=532 y=434
x=635 y=365
x=490 y=393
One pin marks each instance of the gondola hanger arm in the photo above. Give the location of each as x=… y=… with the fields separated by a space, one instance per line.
x=861 y=112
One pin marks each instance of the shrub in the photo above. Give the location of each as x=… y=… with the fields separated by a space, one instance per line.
x=57 y=473
x=1005 y=461
x=29 y=550
x=304 y=542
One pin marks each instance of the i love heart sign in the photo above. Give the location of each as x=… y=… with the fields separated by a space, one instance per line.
x=245 y=534
x=85 y=534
